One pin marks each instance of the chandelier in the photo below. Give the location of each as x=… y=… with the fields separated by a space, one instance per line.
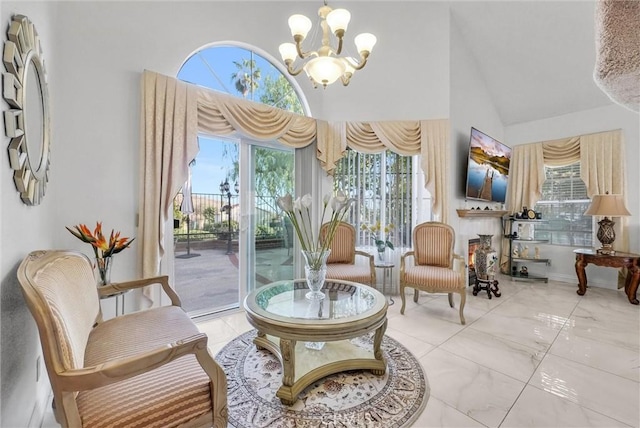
x=324 y=66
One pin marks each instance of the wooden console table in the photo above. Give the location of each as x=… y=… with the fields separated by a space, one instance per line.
x=584 y=256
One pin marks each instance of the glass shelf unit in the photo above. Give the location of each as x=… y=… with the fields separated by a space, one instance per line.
x=524 y=234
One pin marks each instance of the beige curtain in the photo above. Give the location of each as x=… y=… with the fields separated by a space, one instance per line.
x=173 y=112
x=428 y=138
x=602 y=168
x=168 y=143
x=221 y=114
x=435 y=162
x=526 y=176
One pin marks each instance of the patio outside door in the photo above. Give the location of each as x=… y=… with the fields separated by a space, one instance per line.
x=230 y=239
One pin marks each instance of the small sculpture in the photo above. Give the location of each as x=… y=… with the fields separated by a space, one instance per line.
x=525 y=252
x=515 y=251
x=537 y=253
x=524 y=271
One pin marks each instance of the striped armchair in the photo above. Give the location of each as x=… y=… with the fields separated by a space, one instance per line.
x=149 y=368
x=433 y=265
x=341 y=263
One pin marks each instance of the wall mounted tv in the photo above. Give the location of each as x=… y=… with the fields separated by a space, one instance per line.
x=487 y=168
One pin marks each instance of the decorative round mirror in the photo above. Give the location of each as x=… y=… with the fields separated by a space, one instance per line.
x=27 y=119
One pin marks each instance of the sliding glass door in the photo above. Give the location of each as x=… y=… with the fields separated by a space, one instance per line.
x=229 y=234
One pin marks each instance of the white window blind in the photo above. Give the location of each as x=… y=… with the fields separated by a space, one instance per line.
x=563 y=203
x=385 y=188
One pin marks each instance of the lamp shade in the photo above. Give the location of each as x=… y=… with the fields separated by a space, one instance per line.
x=365 y=42
x=288 y=51
x=325 y=69
x=299 y=25
x=608 y=205
x=338 y=19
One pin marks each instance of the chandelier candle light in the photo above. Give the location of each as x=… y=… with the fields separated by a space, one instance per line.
x=608 y=206
x=102 y=248
x=315 y=249
x=325 y=66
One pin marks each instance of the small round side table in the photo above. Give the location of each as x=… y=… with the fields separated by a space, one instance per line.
x=387 y=270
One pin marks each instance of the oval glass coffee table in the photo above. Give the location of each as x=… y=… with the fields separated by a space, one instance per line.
x=286 y=321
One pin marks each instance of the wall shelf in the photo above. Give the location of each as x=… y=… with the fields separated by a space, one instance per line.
x=481 y=213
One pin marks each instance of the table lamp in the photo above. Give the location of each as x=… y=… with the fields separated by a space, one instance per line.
x=608 y=206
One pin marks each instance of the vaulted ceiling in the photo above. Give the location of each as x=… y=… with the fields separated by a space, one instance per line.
x=536 y=57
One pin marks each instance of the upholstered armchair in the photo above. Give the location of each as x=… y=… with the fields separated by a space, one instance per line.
x=149 y=368
x=432 y=269
x=341 y=263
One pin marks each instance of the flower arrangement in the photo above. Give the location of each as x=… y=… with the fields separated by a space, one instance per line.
x=102 y=248
x=374 y=230
x=299 y=212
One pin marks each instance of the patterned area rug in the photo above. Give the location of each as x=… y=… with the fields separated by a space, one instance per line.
x=350 y=399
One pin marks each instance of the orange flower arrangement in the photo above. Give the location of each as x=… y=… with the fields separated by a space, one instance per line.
x=101 y=246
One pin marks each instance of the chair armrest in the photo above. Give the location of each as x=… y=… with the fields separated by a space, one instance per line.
x=365 y=254
x=404 y=256
x=372 y=266
x=118 y=287
x=120 y=369
x=402 y=261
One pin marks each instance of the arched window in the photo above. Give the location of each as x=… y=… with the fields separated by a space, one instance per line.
x=230 y=227
x=245 y=72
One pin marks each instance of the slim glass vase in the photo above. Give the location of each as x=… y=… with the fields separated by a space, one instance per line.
x=103 y=265
x=315 y=270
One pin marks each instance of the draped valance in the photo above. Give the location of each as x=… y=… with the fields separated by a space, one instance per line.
x=602 y=169
x=174 y=112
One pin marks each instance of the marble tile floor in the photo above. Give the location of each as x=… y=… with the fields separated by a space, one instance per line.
x=539 y=356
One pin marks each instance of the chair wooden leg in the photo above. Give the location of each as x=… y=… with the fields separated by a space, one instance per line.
x=403 y=298
x=463 y=299
x=416 y=293
x=451 y=300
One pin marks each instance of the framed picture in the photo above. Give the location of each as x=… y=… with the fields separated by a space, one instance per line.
x=526 y=231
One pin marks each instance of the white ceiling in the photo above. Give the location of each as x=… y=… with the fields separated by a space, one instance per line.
x=536 y=57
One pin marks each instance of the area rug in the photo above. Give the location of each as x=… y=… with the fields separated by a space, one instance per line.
x=351 y=399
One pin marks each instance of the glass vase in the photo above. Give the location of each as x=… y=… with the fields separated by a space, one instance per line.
x=103 y=265
x=381 y=251
x=315 y=270
x=485 y=258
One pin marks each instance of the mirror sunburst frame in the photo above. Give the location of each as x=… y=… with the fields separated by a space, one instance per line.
x=25 y=84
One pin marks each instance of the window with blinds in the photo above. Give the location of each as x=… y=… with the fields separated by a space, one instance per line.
x=384 y=186
x=563 y=203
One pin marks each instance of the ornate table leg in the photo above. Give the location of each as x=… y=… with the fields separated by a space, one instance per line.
x=288 y=352
x=377 y=352
x=631 y=284
x=260 y=335
x=582 y=276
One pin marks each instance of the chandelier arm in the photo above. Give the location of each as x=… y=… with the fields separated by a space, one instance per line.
x=345 y=79
x=363 y=60
x=292 y=71
x=301 y=54
x=339 y=50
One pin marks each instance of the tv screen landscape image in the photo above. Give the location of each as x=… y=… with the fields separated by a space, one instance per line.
x=487 y=168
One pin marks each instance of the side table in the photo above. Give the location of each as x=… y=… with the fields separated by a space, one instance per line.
x=584 y=256
x=118 y=294
x=387 y=270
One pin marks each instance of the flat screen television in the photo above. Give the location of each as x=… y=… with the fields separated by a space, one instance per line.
x=487 y=168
